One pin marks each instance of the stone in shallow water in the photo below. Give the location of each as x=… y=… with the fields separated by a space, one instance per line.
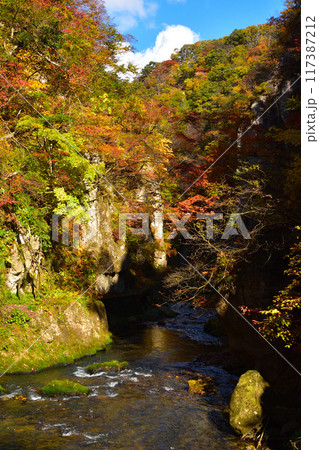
x=108 y=365
x=203 y=385
x=64 y=387
x=246 y=411
x=196 y=386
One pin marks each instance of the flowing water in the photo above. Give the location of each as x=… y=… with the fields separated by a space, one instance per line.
x=145 y=407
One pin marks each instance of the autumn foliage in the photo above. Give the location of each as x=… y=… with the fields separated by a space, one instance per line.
x=195 y=125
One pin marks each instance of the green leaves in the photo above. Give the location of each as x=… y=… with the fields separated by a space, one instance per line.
x=69 y=206
x=18 y=317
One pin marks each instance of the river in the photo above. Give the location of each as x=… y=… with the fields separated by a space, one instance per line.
x=145 y=407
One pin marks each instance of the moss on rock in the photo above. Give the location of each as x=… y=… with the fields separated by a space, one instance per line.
x=202 y=385
x=63 y=387
x=196 y=386
x=2 y=390
x=246 y=413
x=56 y=335
x=108 y=365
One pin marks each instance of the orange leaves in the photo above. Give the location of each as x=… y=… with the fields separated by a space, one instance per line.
x=163 y=74
x=13 y=185
x=195 y=204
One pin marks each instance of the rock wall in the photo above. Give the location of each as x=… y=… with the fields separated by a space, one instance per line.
x=256 y=287
x=56 y=336
x=112 y=254
x=23 y=272
x=262 y=278
x=98 y=237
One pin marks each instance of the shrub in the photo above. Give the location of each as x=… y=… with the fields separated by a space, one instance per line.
x=18 y=317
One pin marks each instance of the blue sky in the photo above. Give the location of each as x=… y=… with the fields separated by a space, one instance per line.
x=160 y=26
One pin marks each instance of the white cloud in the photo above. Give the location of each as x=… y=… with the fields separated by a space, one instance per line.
x=127 y=12
x=126 y=22
x=173 y=37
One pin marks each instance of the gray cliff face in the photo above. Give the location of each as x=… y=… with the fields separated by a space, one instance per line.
x=112 y=255
x=156 y=224
x=77 y=323
x=279 y=112
x=97 y=236
x=23 y=273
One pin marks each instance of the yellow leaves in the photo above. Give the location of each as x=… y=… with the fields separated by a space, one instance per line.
x=273 y=312
x=164 y=147
x=241 y=70
x=193 y=84
x=237 y=88
x=102 y=104
x=24 y=56
x=30 y=62
x=290 y=136
x=36 y=85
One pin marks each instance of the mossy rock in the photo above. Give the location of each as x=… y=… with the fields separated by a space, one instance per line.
x=214 y=327
x=2 y=390
x=246 y=412
x=196 y=386
x=203 y=385
x=78 y=332
x=108 y=365
x=63 y=387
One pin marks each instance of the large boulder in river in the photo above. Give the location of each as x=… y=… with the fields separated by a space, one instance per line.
x=246 y=411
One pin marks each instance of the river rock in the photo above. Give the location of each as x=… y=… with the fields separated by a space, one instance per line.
x=202 y=385
x=214 y=327
x=246 y=411
x=196 y=386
